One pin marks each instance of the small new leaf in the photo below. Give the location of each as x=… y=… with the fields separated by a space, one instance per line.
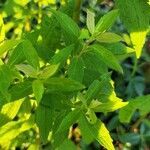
x=106 y=22
x=90 y=21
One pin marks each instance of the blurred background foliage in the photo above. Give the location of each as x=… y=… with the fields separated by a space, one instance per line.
x=23 y=16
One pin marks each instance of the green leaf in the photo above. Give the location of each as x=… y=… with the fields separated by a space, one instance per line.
x=92 y=62
x=63 y=85
x=70 y=28
x=110 y=106
x=90 y=21
x=16 y=56
x=20 y=90
x=109 y=37
x=12 y=129
x=92 y=91
x=120 y=50
x=67 y=145
x=102 y=135
x=99 y=132
x=8 y=45
x=91 y=116
x=9 y=111
x=27 y=70
x=76 y=69
x=107 y=57
x=141 y=103
x=49 y=28
x=44 y=118
x=38 y=89
x=106 y=22
x=85 y=130
x=5 y=78
x=137 y=23
x=48 y=71
x=133 y=138
x=2 y=29
x=56 y=101
x=69 y=120
x=57 y=137
x=24 y=50
x=30 y=54
x=62 y=55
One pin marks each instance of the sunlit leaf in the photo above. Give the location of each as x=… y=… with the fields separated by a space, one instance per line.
x=137 y=22
x=2 y=29
x=99 y=132
x=8 y=45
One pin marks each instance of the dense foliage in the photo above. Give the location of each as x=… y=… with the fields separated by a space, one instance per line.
x=74 y=74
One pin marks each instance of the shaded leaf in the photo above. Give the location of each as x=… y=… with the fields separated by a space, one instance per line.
x=141 y=103
x=69 y=120
x=107 y=57
x=62 y=55
x=76 y=69
x=21 y=90
x=70 y=28
x=63 y=85
x=44 y=117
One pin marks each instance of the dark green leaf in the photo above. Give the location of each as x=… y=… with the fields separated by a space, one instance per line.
x=21 y=90
x=62 y=55
x=5 y=78
x=107 y=57
x=44 y=118
x=63 y=85
x=141 y=103
x=70 y=28
x=69 y=120
x=76 y=69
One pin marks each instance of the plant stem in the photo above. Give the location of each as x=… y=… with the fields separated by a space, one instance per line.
x=137 y=123
x=76 y=13
x=134 y=67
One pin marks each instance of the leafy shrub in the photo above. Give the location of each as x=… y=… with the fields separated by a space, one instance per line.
x=59 y=75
